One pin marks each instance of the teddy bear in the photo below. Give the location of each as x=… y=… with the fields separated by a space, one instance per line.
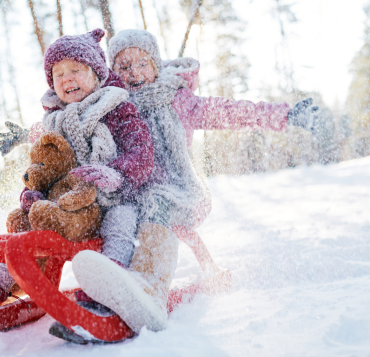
x=69 y=208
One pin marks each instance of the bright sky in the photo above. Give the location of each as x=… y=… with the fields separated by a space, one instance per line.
x=322 y=45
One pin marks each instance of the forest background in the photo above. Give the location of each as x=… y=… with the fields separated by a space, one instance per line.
x=271 y=50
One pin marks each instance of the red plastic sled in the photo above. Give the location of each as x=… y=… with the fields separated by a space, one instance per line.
x=20 y=252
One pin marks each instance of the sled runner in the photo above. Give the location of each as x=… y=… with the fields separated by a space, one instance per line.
x=20 y=252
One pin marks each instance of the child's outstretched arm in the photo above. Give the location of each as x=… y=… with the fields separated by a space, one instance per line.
x=212 y=113
x=215 y=113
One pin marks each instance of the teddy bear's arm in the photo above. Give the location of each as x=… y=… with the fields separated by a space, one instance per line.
x=81 y=194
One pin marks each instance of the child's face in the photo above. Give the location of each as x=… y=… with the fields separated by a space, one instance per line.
x=73 y=81
x=135 y=67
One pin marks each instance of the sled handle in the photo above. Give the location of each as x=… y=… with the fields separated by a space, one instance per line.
x=19 y=254
x=193 y=240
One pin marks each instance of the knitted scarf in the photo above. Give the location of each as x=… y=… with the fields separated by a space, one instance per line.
x=181 y=185
x=91 y=140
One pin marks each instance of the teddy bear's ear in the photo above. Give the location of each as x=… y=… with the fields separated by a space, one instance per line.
x=51 y=137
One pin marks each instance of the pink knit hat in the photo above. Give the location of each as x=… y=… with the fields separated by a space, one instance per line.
x=83 y=48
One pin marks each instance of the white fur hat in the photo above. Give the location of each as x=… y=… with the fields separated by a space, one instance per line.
x=134 y=38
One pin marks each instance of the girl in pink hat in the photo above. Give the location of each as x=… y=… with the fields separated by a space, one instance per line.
x=88 y=105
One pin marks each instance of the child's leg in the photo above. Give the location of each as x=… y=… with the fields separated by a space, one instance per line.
x=142 y=290
x=118 y=231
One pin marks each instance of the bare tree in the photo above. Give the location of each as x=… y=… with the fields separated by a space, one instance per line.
x=59 y=17
x=142 y=13
x=284 y=14
x=107 y=19
x=12 y=78
x=3 y=102
x=103 y=7
x=196 y=6
x=228 y=69
x=84 y=6
x=37 y=28
x=164 y=22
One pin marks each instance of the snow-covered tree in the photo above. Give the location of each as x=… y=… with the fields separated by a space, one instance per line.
x=14 y=112
x=104 y=9
x=222 y=36
x=359 y=93
x=164 y=20
x=283 y=13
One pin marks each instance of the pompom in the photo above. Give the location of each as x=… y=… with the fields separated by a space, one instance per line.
x=97 y=34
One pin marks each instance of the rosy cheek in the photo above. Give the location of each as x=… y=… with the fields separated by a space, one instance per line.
x=149 y=76
x=80 y=77
x=57 y=82
x=58 y=85
x=85 y=81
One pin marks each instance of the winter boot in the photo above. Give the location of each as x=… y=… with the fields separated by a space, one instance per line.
x=60 y=331
x=85 y=301
x=138 y=295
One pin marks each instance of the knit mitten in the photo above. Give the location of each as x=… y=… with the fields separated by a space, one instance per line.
x=303 y=114
x=17 y=136
x=28 y=198
x=103 y=177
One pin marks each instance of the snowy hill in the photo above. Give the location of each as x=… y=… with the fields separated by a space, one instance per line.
x=298 y=245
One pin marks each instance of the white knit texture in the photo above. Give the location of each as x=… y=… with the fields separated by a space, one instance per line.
x=134 y=38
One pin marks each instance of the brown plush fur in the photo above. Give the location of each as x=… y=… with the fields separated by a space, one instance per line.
x=70 y=208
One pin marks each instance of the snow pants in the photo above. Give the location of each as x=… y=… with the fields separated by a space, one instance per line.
x=120 y=225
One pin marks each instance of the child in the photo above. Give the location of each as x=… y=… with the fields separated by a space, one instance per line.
x=174 y=195
x=88 y=106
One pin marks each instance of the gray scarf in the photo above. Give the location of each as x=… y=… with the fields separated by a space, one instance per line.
x=182 y=187
x=91 y=140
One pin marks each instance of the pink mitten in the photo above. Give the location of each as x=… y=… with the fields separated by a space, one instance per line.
x=35 y=132
x=29 y=197
x=103 y=177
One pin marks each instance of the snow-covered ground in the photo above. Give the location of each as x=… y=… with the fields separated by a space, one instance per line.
x=298 y=245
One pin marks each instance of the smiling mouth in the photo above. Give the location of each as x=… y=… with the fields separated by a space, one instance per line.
x=135 y=85
x=72 y=90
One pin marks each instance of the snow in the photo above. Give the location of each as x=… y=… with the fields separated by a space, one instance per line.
x=297 y=244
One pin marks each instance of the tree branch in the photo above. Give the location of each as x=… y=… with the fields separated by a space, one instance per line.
x=192 y=19
x=142 y=13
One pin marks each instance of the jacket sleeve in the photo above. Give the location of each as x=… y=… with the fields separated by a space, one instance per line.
x=134 y=145
x=212 y=113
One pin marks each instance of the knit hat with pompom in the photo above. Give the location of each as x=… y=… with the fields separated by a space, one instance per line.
x=83 y=48
x=134 y=38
